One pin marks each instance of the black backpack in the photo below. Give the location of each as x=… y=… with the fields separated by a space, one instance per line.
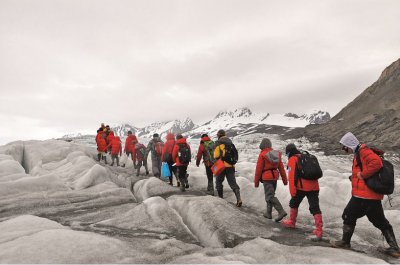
x=308 y=167
x=184 y=154
x=381 y=182
x=231 y=154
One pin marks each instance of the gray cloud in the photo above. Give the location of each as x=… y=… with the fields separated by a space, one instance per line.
x=68 y=65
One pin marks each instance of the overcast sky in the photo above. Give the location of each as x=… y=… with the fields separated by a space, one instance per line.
x=68 y=65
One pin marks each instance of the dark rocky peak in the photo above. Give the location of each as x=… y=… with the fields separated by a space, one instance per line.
x=291 y=115
x=390 y=71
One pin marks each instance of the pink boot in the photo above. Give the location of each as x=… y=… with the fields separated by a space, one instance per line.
x=291 y=222
x=318 y=225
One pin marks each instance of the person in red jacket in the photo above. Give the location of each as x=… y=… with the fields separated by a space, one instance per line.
x=101 y=146
x=129 y=148
x=181 y=155
x=166 y=156
x=139 y=153
x=303 y=188
x=364 y=201
x=206 y=151
x=116 y=148
x=269 y=167
x=109 y=139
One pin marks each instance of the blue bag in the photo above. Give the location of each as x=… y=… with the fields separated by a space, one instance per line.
x=165 y=172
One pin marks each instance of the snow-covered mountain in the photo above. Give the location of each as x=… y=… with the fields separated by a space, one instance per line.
x=244 y=121
x=162 y=128
x=72 y=135
x=122 y=129
x=237 y=121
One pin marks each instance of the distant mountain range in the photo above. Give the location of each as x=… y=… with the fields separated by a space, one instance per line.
x=238 y=121
x=373 y=116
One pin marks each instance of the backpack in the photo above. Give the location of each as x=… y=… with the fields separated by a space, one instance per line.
x=140 y=151
x=209 y=150
x=273 y=156
x=381 y=182
x=308 y=167
x=158 y=147
x=231 y=154
x=184 y=154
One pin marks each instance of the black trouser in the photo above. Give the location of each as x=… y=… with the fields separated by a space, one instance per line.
x=229 y=173
x=113 y=157
x=210 y=176
x=172 y=169
x=312 y=197
x=182 y=170
x=357 y=208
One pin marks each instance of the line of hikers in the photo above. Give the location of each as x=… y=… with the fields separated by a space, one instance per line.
x=176 y=153
x=303 y=170
x=372 y=177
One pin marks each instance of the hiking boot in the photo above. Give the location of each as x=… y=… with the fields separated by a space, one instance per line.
x=186 y=184
x=348 y=231
x=98 y=157
x=393 y=249
x=268 y=212
x=147 y=173
x=123 y=165
x=318 y=226
x=182 y=188
x=112 y=163
x=278 y=206
x=340 y=244
x=238 y=199
x=220 y=193
x=178 y=184
x=291 y=222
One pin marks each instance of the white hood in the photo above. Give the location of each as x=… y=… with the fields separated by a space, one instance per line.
x=350 y=141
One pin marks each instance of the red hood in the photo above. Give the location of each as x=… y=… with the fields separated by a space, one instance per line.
x=205 y=139
x=111 y=133
x=170 y=136
x=181 y=141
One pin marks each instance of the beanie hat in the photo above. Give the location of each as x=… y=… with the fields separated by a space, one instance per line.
x=265 y=143
x=155 y=135
x=204 y=135
x=221 y=133
x=179 y=136
x=129 y=132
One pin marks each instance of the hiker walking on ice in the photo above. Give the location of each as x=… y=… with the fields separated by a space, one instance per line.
x=364 y=201
x=269 y=167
